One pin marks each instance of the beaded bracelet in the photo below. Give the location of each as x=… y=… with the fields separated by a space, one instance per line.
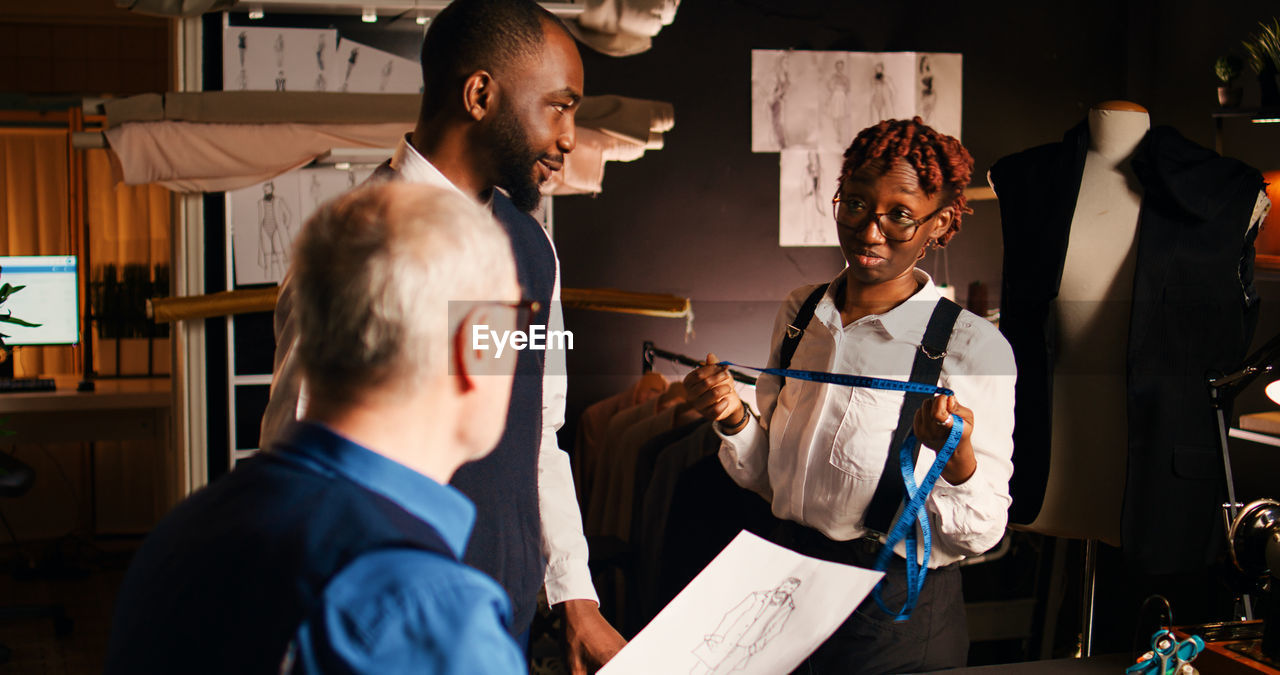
x=740 y=424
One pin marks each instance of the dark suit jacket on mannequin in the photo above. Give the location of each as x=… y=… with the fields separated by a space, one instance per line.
x=1194 y=312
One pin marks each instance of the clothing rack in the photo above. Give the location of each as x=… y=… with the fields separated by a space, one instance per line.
x=651 y=352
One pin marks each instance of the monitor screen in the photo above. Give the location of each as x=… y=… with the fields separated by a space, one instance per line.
x=51 y=299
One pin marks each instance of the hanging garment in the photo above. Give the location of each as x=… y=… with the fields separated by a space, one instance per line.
x=594 y=423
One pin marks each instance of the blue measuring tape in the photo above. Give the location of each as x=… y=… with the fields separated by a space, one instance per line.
x=913 y=509
x=848 y=380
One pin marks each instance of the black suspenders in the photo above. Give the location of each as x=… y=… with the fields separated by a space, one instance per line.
x=926 y=369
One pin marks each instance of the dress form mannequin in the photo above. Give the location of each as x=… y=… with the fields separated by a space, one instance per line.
x=1085 y=490
x=1127 y=277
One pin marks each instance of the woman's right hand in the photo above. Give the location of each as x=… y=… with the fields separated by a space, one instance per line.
x=711 y=392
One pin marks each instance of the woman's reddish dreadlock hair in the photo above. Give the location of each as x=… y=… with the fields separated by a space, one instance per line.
x=941 y=163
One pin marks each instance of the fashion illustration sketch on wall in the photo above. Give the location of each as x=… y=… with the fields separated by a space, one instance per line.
x=369 y=70
x=839 y=108
x=781 y=83
x=783 y=101
x=938 y=91
x=320 y=44
x=279 y=47
x=807 y=106
x=927 y=96
x=351 y=65
x=807 y=180
x=275 y=232
x=881 y=95
x=312 y=59
x=242 y=78
x=746 y=629
x=263 y=219
x=276 y=59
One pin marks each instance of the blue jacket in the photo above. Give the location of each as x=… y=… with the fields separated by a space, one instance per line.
x=321 y=550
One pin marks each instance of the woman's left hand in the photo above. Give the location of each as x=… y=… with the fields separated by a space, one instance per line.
x=932 y=426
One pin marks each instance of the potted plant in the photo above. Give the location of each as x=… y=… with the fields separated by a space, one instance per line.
x=1227 y=68
x=1263 y=50
x=6 y=316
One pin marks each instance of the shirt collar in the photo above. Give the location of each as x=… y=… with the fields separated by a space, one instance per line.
x=905 y=322
x=441 y=506
x=415 y=168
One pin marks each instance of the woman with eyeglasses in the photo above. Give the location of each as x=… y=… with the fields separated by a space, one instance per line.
x=827 y=455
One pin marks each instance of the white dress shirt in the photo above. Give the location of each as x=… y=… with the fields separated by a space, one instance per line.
x=563 y=544
x=817 y=450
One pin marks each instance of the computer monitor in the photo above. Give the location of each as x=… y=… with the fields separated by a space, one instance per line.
x=51 y=298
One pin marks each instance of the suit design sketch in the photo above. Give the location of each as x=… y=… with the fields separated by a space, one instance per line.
x=746 y=629
x=275 y=233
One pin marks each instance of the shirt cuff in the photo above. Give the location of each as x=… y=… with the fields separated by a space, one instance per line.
x=743 y=439
x=571 y=581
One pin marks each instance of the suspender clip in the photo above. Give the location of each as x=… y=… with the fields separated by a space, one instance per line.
x=932 y=354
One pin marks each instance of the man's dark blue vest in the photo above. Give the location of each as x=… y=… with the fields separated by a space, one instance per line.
x=506 y=541
x=1194 y=311
x=222 y=584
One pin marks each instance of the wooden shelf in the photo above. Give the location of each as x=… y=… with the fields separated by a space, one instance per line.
x=1247 y=113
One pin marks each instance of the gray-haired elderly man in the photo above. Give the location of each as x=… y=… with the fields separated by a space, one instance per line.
x=340 y=550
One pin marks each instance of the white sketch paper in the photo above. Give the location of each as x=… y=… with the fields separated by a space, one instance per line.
x=807 y=181
x=820 y=100
x=265 y=218
x=359 y=68
x=784 y=100
x=276 y=59
x=757 y=608
x=311 y=59
x=318 y=185
x=938 y=77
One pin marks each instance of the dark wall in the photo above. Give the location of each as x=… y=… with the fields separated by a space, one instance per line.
x=699 y=217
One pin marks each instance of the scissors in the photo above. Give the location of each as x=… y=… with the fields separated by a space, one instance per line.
x=1168 y=656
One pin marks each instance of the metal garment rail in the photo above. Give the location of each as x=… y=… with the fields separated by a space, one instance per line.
x=650 y=352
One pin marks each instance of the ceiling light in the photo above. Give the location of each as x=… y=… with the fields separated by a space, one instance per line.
x=1266 y=120
x=422 y=18
x=255 y=12
x=369 y=15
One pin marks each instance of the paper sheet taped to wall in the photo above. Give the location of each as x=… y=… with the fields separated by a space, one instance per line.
x=757 y=608
x=821 y=100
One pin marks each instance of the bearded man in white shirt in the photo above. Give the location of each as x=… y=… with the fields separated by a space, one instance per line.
x=825 y=455
x=502 y=81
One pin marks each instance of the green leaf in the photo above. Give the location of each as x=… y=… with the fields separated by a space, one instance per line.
x=10 y=318
x=8 y=289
